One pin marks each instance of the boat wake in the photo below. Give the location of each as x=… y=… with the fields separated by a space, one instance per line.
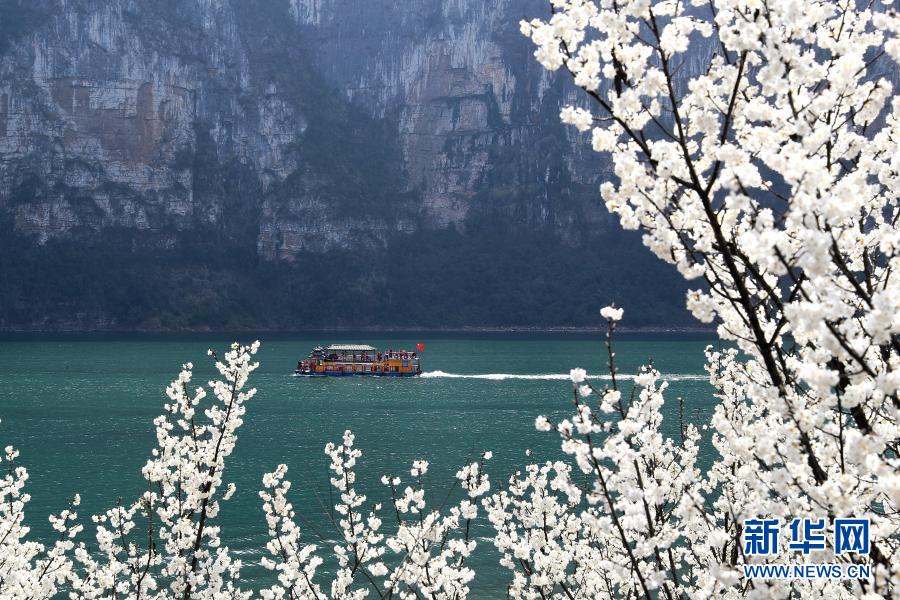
x=550 y=376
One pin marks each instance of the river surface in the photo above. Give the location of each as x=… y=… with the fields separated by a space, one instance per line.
x=80 y=410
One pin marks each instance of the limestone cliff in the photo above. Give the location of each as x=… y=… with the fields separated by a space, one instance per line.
x=298 y=133
x=467 y=96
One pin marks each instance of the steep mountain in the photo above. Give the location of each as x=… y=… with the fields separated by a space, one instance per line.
x=299 y=164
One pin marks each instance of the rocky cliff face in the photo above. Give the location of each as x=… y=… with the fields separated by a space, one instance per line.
x=469 y=100
x=283 y=130
x=111 y=111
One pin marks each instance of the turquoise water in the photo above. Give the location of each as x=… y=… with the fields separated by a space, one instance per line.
x=80 y=412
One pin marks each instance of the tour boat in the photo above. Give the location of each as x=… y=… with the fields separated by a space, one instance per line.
x=341 y=360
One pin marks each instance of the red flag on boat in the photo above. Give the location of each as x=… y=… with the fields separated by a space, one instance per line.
x=420 y=347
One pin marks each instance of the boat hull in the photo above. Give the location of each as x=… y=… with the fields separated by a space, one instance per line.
x=353 y=374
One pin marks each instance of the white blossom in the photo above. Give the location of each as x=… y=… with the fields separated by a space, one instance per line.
x=611 y=313
x=577 y=375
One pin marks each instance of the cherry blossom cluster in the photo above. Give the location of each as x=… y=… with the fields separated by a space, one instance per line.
x=754 y=144
x=29 y=569
x=621 y=520
x=167 y=543
x=422 y=555
x=294 y=561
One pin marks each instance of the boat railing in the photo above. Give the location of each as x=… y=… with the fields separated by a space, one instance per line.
x=356 y=358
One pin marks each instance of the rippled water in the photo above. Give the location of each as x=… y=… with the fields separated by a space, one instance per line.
x=80 y=411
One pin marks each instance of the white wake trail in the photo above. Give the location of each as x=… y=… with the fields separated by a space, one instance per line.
x=549 y=376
